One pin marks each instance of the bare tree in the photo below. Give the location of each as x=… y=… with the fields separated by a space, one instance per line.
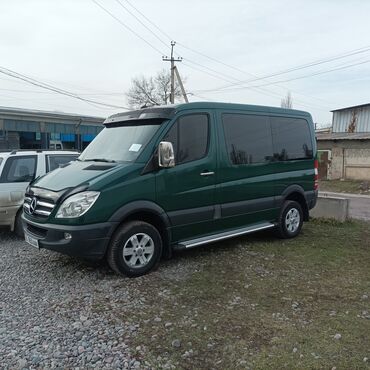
x=287 y=102
x=149 y=91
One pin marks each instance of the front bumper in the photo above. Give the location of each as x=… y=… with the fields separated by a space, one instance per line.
x=87 y=241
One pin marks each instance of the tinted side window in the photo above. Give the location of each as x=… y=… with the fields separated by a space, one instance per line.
x=291 y=138
x=248 y=138
x=19 y=169
x=189 y=137
x=54 y=161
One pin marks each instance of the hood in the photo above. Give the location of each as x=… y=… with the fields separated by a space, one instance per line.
x=77 y=173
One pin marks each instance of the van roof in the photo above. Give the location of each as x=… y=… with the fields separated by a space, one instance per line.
x=168 y=111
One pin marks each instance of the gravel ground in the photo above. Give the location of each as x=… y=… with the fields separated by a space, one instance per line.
x=255 y=302
x=58 y=312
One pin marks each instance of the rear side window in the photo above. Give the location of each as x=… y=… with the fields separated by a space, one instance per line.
x=291 y=138
x=19 y=169
x=189 y=136
x=248 y=138
x=54 y=161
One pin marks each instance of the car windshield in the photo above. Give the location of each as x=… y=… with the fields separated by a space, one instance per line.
x=1 y=159
x=119 y=143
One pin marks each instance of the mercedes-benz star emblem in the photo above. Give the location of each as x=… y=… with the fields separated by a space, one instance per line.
x=33 y=205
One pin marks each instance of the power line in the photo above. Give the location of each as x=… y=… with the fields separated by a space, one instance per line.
x=232 y=83
x=57 y=90
x=300 y=67
x=214 y=59
x=256 y=89
x=142 y=23
x=147 y=19
x=127 y=27
x=312 y=64
x=229 y=79
x=52 y=93
x=291 y=79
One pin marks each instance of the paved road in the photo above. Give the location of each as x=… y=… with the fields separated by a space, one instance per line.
x=359 y=205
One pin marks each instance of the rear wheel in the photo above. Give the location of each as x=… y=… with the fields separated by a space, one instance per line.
x=290 y=219
x=18 y=225
x=135 y=249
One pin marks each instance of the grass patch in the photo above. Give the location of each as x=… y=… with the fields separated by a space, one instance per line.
x=346 y=186
x=263 y=303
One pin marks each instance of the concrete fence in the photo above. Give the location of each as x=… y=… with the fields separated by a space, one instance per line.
x=331 y=207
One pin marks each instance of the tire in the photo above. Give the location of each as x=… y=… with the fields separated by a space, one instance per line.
x=18 y=225
x=290 y=220
x=135 y=249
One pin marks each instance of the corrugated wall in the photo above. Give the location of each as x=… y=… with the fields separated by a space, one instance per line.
x=356 y=119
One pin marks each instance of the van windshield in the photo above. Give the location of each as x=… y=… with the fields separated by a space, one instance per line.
x=119 y=143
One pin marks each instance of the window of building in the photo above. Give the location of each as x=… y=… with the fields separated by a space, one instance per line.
x=248 y=138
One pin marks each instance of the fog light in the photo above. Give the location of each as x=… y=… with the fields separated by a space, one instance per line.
x=67 y=236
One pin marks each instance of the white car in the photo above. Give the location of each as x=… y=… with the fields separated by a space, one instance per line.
x=17 y=169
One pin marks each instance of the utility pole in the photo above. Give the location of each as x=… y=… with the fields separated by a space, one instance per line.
x=172 y=60
x=181 y=85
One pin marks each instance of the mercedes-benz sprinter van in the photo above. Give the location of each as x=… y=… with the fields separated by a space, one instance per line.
x=175 y=177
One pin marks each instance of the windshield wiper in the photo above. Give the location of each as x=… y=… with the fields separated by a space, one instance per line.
x=100 y=160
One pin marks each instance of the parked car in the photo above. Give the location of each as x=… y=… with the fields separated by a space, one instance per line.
x=175 y=177
x=55 y=145
x=17 y=169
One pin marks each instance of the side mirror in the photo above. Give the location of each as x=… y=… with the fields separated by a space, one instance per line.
x=166 y=154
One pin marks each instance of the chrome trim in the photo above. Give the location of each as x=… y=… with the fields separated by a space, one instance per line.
x=166 y=154
x=39 y=203
x=207 y=173
x=225 y=235
x=45 y=204
x=42 y=213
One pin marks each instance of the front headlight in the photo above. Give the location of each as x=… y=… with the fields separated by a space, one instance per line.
x=77 y=205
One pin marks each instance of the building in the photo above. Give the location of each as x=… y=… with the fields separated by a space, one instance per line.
x=344 y=153
x=34 y=129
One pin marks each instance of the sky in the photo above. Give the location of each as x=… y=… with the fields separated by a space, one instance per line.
x=229 y=48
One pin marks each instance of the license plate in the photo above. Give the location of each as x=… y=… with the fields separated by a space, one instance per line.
x=31 y=240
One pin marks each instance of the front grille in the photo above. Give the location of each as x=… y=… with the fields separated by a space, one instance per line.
x=37 y=231
x=37 y=206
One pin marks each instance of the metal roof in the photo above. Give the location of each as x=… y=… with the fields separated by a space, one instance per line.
x=343 y=136
x=34 y=113
x=31 y=120
x=352 y=120
x=355 y=106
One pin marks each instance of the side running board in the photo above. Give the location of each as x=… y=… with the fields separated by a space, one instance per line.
x=221 y=236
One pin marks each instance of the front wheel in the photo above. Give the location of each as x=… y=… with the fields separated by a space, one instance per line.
x=290 y=219
x=135 y=249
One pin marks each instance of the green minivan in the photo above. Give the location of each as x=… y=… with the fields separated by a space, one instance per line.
x=175 y=177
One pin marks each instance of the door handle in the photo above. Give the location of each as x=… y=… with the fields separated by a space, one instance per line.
x=207 y=173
